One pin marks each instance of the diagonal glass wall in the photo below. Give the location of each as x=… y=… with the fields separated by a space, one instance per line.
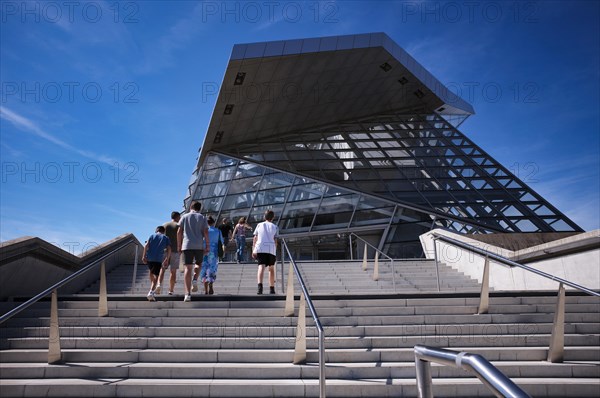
x=391 y=177
x=309 y=211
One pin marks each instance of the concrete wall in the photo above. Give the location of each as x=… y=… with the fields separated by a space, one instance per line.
x=30 y=265
x=559 y=258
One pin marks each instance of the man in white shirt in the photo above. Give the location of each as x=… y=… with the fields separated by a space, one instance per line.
x=264 y=250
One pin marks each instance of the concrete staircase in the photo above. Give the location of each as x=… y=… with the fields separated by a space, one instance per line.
x=237 y=344
x=341 y=277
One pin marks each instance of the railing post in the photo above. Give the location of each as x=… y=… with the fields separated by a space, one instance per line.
x=364 y=264
x=300 y=349
x=281 y=268
x=557 y=341
x=102 y=297
x=484 y=296
x=322 y=378
x=437 y=266
x=393 y=275
x=135 y=264
x=376 y=267
x=350 y=246
x=424 y=381
x=289 y=299
x=54 y=353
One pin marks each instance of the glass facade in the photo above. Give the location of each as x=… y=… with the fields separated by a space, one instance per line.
x=389 y=177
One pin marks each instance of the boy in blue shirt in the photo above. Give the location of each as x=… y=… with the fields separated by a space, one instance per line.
x=154 y=256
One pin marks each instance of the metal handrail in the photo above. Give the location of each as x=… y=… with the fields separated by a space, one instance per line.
x=313 y=312
x=63 y=282
x=378 y=251
x=506 y=261
x=491 y=377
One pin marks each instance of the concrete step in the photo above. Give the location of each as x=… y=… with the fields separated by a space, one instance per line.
x=242 y=340
x=287 y=370
x=346 y=355
x=165 y=387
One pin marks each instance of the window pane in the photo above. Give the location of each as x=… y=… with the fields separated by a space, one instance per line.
x=244 y=185
x=276 y=180
x=239 y=201
x=271 y=196
x=298 y=216
x=306 y=192
x=258 y=214
x=212 y=190
x=335 y=212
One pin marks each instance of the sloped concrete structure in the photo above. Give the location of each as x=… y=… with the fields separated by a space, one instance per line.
x=350 y=133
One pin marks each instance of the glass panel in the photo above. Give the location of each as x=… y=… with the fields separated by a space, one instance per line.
x=366 y=144
x=244 y=185
x=216 y=161
x=258 y=214
x=239 y=201
x=335 y=212
x=212 y=205
x=248 y=170
x=234 y=214
x=211 y=190
x=298 y=216
x=372 y=211
x=381 y=135
x=299 y=155
x=306 y=191
x=276 y=180
x=526 y=226
x=271 y=196
x=373 y=154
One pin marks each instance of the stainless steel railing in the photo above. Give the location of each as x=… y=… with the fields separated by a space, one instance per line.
x=491 y=377
x=377 y=254
x=305 y=300
x=556 y=349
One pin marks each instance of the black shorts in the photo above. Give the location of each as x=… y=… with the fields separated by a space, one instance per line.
x=266 y=259
x=154 y=267
x=192 y=256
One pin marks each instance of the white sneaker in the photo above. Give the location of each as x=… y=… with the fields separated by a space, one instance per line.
x=158 y=289
x=194 y=286
x=150 y=296
x=170 y=292
x=187 y=298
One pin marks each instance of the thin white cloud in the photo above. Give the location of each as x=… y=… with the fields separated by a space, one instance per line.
x=121 y=214
x=160 y=54
x=572 y=186
x=13 y=152
x=29 y=126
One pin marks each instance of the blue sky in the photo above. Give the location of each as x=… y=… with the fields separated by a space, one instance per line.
x=104 y=104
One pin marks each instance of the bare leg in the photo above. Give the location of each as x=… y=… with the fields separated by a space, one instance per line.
x=173 y=279
x=272 y=275
x=187 y=278
x=153 y=280
x=260 y=273
x=161 y=276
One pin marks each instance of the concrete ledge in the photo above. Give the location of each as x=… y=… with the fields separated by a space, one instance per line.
x=29 y=265
x=575 y=258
